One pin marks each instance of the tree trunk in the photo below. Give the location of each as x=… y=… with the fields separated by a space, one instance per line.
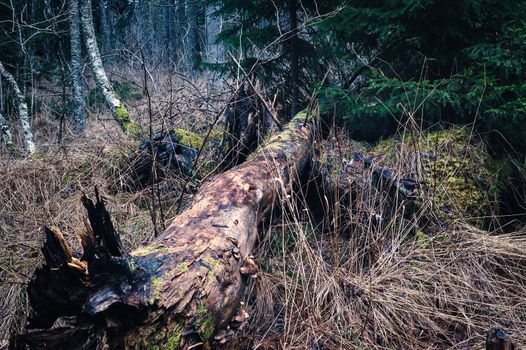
x=169 y=41
x=193 y=52
x=496 y=339
x=74 y=39
x=119 y=112
x=180 y=20
x=182 y=289
x=214 y=51
x=104 y=27
x=294 y=64
x=23 y=111
x=5 y=135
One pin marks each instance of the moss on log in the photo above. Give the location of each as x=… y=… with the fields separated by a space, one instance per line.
x=455 y=171
x=184 y=288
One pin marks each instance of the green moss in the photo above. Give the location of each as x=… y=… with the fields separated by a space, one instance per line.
x=216 y=135
x=125 y=121
x=12 y=149
x=188 y=138
x=182 y=267
x=212 y=268
x=421 y=239
x=452 y=175
x=155 y=294
x=150 y=249
x=205 y=324
x=456 y=175
x=275 y=142
x=174 y=338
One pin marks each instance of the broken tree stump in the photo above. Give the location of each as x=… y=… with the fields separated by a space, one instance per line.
x=183 y=289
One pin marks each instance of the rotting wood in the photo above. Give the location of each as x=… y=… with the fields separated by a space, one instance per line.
x=181 y=290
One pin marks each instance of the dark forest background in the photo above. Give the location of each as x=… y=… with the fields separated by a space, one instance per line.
x=375 y=62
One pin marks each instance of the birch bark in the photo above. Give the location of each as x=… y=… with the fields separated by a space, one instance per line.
x=5 y=134
x=23 y=111
x=119 y=112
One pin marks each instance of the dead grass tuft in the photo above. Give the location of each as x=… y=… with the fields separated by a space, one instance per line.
x=376 y=271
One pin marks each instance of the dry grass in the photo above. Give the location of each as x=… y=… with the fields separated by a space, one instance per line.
x=45 y=189
x=371 y=276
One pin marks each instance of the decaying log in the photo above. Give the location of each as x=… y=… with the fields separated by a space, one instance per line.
x=180 y=291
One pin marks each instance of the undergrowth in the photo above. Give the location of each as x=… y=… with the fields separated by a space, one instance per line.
x=352 y=263
x=45 y=189
x=348 y=261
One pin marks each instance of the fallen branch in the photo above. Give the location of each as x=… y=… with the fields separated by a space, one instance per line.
x=182 y=289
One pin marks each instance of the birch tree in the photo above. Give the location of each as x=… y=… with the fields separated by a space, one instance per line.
x=5 y=135
x=74 y=35
x=23 y=111
x=119 y=112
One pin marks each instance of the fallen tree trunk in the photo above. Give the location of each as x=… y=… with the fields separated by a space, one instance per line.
x=181 y=290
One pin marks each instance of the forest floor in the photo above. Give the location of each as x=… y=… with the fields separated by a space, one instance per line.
x=348 y=262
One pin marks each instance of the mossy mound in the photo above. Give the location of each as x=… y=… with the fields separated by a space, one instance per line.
x=457 y=176
x=187 y=138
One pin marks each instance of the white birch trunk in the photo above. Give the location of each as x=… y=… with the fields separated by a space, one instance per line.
x=74 y=35
x=119 y=112
x=5 y=135
x=23 y=111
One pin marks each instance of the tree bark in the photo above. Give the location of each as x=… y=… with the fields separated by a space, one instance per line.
x=23 y=111
x=180 y=21
x=169 y=41
x=5 y=135
x=194 y=55
x=104 y=27
x=294 y=64
x=74 y=39
x=119 y=112
x=182 y=289
x=496 y=339
x=213 y=24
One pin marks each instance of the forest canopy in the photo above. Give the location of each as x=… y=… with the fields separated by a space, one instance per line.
x=436 y=61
